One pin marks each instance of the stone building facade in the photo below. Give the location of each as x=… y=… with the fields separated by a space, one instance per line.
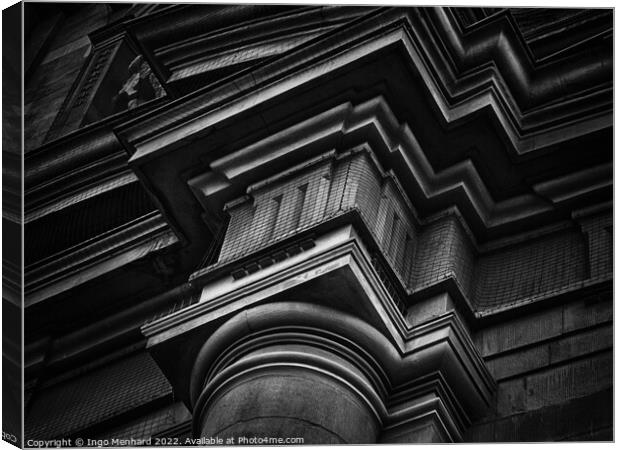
x=337 y=223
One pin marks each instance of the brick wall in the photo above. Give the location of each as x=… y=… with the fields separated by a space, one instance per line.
x=149 y=424
x=444 y=251
x=99 y=395
x=533 y=268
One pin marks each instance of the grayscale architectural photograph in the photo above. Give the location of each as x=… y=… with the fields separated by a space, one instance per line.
x=250 y=224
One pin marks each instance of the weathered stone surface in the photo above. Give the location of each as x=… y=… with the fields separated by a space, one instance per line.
x=581 y=344
x=291 y=403
x=554 y=385
x=569 y=381
x=544 y=325
x=586 y=313
x=587 y=418
x=511 y=398
x=521 y=331
x=519 y=362
x=553 y=351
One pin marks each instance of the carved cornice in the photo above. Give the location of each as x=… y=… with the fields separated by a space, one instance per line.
x=392 y=380
x=530 y=83
x=72 y=194
x=96 y=257
x=183 y=22
x=374 y=123
x=380 y=330
x=487 y=68
x=205 y=126
x=240 y=46
x=549 y=33
x=60 y=159
x=94 y=340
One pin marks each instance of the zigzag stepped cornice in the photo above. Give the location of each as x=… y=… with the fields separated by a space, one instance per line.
x=518 y=93
x=373 y=123
x=494 y=52
x=548 y=32
x=498 y=41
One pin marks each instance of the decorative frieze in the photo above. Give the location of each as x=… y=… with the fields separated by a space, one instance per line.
x=425 y=256
x=317 y=192
x=115 y=72
x=140 y=86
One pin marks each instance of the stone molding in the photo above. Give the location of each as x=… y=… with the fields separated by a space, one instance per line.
x=91 y=259
x=399 y=352
x=50 y=204
x=505 y=84
x=374 y=368
x=251 y=42
x=374 y=123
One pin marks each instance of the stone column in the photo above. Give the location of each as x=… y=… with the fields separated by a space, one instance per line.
x=284 y=382
x=288 y=402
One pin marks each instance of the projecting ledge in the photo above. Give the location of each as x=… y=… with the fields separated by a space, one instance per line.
x=321 y=321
